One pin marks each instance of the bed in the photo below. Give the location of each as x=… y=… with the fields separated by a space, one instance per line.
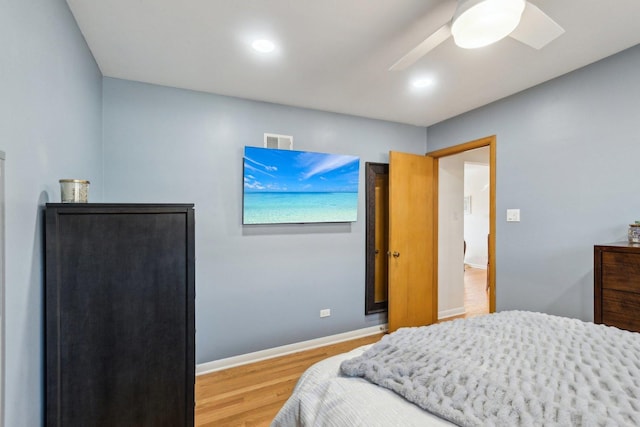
x=504 y=369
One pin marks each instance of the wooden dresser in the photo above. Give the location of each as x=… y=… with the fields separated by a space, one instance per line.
x=119 y=312
x=616 y=275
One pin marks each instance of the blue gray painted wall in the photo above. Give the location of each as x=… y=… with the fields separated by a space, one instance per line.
x=568 y=156
x=257 y=287
x=50 y=128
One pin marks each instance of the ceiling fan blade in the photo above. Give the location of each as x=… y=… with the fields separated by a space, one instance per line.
x=536 y=29
x=422 y=49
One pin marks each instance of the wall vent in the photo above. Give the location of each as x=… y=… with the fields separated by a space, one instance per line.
x=282 y=142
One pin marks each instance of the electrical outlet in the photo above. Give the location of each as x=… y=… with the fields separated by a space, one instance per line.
x=325 y=312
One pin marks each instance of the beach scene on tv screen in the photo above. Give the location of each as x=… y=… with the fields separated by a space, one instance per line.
x=287 y=187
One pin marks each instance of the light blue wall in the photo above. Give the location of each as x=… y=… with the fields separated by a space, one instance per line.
x=257 y=286
x=569 y=157
x=50 y=128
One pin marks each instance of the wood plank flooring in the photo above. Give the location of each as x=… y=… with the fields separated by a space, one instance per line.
x=251 y=395
x=476 y=298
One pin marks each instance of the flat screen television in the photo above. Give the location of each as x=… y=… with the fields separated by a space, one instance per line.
x=292 y=187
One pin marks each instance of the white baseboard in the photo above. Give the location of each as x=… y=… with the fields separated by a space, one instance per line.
x=451 y=312
x=480 y=266
x=244 y=359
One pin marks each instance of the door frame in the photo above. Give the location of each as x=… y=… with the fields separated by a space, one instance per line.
x=489 y=141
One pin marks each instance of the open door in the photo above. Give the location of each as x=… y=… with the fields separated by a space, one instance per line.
x=412 y=254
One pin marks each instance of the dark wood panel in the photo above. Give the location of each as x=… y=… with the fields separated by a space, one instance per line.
x=621 y=270
x=120 y=315
x=621 y=309
x=597 y=284
x=616 y=285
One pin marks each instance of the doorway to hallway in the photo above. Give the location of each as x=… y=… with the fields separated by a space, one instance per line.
x=459 y=213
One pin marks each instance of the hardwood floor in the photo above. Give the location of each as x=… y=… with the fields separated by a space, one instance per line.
x=251 y=395
x=476 y=298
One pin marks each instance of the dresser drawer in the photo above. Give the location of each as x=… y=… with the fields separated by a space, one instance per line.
x=620 y=309
x=621 y=271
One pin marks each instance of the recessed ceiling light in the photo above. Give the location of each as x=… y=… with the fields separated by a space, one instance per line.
x=422 y=82
x=263 y=45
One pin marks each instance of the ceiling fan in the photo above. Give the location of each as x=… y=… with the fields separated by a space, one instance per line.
x=478 y=23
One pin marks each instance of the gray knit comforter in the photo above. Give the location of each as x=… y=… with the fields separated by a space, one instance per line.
x=511 y=369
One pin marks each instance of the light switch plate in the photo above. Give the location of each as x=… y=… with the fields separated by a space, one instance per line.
x=513 y=215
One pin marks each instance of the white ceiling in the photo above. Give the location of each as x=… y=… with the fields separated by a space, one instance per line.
x=334 y=55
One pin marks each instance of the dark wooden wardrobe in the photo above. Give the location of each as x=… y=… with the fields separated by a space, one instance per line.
x=119 y=315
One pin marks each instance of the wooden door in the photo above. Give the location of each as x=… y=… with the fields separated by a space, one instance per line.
x=412 y=241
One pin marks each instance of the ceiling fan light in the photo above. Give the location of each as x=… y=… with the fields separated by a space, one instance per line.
x=479 y=23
